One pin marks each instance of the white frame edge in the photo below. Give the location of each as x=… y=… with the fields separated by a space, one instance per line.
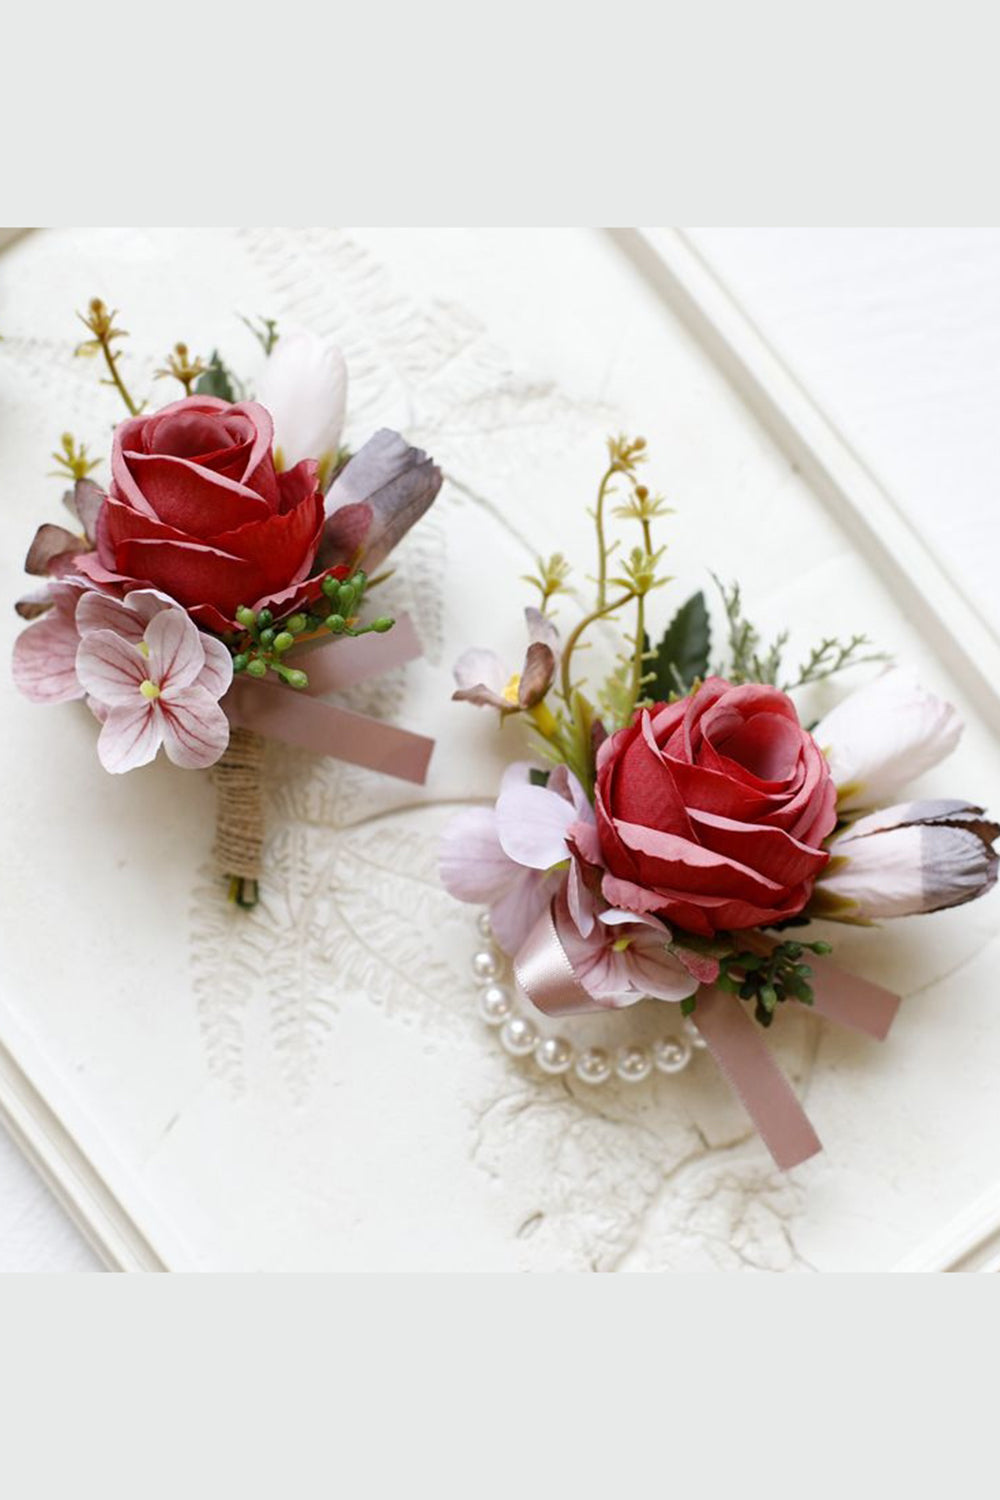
x=967 y=645
x=70 y=1174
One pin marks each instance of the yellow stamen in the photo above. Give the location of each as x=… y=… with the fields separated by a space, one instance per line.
x=149 y=689
x=512 y=689
x=620 y=944
x=143 y=650
x=545 y=719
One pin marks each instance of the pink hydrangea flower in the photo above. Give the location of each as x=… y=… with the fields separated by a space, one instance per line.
x=156 y=678
x=626 y=958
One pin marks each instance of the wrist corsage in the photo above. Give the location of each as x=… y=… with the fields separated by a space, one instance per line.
x=220 y=583
x=684 y=826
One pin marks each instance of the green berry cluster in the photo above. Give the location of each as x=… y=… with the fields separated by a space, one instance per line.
x=266 y=640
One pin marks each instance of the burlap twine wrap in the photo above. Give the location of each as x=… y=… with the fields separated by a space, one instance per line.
x=239 y=831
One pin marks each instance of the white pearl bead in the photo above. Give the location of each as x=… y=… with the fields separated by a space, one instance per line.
x=671 y=1054
x=485 y=925
x=633 y=1064
x=518 y=1036
x=485 y=966
x=554 y=1054
x=694 y=1036
x=495 y=1004
x=593 y=1066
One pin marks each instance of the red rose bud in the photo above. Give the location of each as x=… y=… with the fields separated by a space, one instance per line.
x=712 y=811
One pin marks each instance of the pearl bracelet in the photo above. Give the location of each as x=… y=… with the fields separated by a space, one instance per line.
x=554 y=1055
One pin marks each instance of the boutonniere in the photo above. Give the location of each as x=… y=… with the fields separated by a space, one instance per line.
x=682 y=826
x=225 y=575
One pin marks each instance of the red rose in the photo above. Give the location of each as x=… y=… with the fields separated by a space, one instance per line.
x=197 y=509
x=711 y=812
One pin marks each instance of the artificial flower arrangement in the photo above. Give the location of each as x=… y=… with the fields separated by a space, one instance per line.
x=196 y=601
x=684 y=825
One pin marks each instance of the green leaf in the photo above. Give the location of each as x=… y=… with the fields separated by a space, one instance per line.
x=216 y=380
x=688 y=1005
x=683 y=653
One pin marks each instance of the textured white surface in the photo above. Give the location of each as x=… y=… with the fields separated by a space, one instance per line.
x=273 y=1126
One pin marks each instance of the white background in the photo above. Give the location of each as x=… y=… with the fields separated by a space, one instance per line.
x=896 y=333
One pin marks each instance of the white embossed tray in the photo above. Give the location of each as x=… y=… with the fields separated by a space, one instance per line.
x=309 y=1087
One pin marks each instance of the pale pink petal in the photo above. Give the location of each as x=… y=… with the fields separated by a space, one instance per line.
x=618 y=976
x=130 y=737
x=594 y=963
x=515 y=913
x=176 y=654
x=565 y=784
x=145 y=603
x=919 y=857
x=97 y=611
x=580 y=900
x=45 y=660
x=110 y=669
x=652 y=970
x=932 y=810
x=613 y=917
x=473 y=866
x=531 y=826
x=52 y=550
x=481 y=678
x=217 y=673
x=195 y=730
x=37 y=602
x=583 y=840
x=541 y=630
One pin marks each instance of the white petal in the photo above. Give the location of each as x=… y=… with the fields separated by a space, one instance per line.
x=304 y=386
x=884 y=735
x=130 y=737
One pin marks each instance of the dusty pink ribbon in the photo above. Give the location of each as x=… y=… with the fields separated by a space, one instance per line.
x=543 y=970
x=302 y=719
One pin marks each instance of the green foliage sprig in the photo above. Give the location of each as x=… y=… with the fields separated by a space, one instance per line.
x=767 y=978
x=751 y=661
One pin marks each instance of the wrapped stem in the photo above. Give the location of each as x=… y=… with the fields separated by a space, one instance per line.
x=239 y=829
